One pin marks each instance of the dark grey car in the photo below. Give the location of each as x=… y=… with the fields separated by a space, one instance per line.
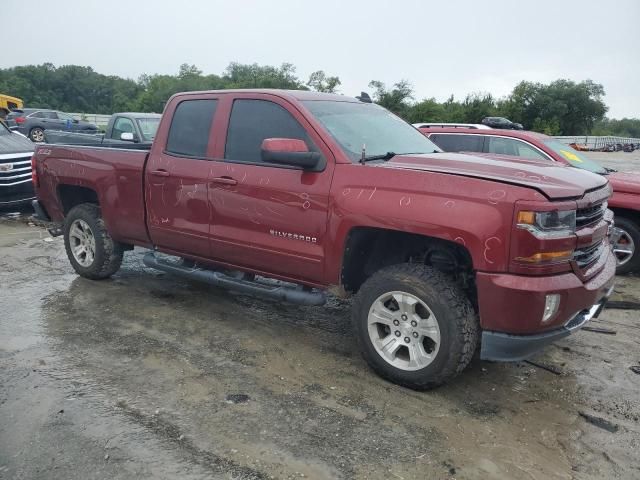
x=16 y=187
x=32 y=122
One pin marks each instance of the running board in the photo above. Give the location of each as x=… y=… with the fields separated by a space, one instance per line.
x=276 y=292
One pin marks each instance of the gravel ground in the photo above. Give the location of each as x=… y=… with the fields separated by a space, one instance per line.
x=624 y=162
x=148 y=376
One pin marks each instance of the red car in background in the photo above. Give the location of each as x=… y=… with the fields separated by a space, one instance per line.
x=625 y=201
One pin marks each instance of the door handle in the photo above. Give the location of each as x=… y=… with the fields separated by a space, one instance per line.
x=160 y=173
x=224 y=180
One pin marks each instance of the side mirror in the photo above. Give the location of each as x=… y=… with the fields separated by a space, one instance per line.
x=127 y=137
x=289 y=151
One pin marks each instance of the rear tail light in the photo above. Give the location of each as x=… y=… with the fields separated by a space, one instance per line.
x=19 y=120
x=34 y=174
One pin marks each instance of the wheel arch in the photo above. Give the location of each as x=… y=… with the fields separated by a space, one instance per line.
x=627 y=213
x=72 y=195
x=368 y=249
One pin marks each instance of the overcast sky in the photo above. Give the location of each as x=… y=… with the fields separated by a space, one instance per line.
x=442 y=48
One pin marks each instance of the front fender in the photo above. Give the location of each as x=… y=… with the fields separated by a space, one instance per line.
x=473 y=212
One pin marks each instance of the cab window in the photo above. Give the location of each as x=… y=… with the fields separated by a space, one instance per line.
x=120 y=126
x=190 y=127
x=458 y=143
x=514 y=147
x=254 y=120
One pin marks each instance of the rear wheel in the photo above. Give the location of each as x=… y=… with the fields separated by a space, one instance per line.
x=415 y=326
x=626 y=247
x=36 y=134
x=91 y=250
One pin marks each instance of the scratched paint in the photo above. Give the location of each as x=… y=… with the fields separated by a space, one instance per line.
x=488 y=248
x=496 y=195
x=405 y=201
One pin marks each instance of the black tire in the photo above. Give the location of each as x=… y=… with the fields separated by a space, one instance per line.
x=457 y=321
x=633 y=230
x=108 y=253
x=36 y=133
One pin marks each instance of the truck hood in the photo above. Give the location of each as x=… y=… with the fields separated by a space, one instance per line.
x=555 y=182
x=625 y=182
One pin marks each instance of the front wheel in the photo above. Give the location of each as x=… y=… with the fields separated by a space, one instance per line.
x=626 y=246
x=414 y=325
x=91 y=250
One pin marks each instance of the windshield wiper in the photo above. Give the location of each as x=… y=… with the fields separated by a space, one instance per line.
x=384 y=156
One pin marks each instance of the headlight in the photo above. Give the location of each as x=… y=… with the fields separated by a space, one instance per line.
x=545 y=225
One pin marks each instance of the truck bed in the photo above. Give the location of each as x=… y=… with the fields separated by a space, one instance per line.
x=114 y=172
x=60 y=137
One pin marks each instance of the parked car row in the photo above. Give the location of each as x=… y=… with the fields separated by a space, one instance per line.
x=33 y=122
x=625 y=201
x=443 y=252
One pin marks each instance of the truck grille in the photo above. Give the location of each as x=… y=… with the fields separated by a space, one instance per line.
x=585 y=257
x=15 y=169
x=590 y=215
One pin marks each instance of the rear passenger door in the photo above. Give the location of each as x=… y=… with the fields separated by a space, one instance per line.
x=269 y=217
x=456 y=142
x=176 y=179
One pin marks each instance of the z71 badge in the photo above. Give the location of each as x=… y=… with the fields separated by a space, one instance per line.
x=293 y=236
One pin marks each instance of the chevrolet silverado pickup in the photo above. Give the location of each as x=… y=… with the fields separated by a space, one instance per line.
x=290 y=194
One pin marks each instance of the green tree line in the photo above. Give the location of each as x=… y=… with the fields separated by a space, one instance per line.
x=561 y=107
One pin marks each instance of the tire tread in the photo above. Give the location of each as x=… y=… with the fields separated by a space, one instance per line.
x=464 y=339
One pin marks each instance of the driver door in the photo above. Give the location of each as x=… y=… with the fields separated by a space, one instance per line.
x=269 y=217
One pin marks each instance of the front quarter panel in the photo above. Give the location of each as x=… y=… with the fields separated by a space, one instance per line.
x=473 y=212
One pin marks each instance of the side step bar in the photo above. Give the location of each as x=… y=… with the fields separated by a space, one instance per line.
x=219 y=279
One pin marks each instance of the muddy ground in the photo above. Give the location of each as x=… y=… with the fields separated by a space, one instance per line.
x=148 y=376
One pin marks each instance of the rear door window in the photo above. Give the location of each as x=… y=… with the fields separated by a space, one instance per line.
x=190 y=127
x=458 y=143
x=254 y=120
x=511 y=146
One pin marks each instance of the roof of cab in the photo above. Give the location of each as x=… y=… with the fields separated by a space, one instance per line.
x=290 y=94
x=491 y=131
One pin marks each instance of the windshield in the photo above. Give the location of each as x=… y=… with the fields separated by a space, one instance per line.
x=148 y=127
x=3 y=129
x=354 y=125
x=575 y=158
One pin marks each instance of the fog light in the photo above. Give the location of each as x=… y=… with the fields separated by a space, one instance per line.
x=551 y=304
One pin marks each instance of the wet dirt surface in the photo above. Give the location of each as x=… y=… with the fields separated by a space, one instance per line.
x=148 y=376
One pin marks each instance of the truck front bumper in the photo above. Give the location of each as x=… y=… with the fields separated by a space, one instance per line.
x=512 y=306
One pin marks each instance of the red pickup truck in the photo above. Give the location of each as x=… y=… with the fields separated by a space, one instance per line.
x=288 y=194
